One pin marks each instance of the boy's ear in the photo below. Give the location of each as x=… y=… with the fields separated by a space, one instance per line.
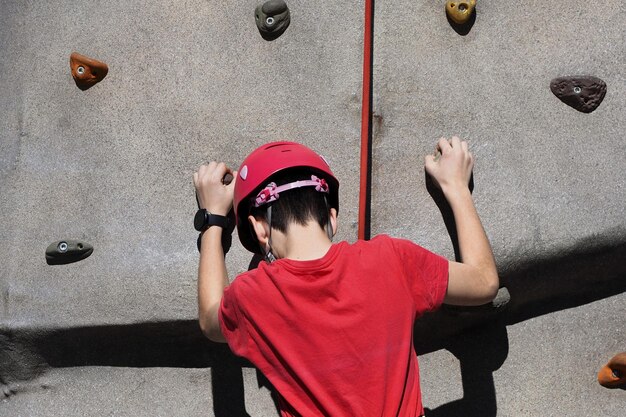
x=261 y=230
x=333 y=220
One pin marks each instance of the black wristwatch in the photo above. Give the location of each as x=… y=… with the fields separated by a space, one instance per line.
x=203 y=220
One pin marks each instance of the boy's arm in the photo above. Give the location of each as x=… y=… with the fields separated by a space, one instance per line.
x=474 y=280
x=217 y=198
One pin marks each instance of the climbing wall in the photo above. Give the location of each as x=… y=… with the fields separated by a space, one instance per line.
x=549 y=184
x=112 y=166
x=188 y=82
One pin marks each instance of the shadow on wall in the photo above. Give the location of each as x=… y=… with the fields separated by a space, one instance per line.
x=227 y=387
x=480 y=353
x=577 y=277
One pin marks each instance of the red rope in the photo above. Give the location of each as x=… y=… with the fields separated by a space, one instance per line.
x=366 y=125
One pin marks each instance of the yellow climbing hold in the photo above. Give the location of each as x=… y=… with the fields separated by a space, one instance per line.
x=460 y=11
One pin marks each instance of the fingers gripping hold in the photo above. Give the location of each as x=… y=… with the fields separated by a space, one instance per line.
x=215 y=187
x=443 y=145
x=451 y=165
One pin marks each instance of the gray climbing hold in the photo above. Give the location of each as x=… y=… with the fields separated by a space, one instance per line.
x=272 y=19
x=502 y=299
x=584 y=93
x=67 y=251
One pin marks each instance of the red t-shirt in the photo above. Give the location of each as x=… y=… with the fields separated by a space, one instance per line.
x=335 y=335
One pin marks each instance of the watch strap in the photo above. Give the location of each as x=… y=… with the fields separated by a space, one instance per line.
x=216 y=220
x=203 y=220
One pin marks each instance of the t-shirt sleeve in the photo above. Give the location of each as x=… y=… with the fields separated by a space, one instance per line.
x=426 y=274
x=232 y=326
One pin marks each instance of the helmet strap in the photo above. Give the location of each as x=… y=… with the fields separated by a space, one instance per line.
x=329 y=227
x=269 y=256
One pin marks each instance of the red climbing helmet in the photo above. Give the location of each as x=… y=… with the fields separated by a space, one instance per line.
x=266 y=161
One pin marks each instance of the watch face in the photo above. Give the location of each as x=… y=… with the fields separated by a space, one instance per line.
x=199 y=220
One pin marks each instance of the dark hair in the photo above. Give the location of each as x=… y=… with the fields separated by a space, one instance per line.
x=298 y=205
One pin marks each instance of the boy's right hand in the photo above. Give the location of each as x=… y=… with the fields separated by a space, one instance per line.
x=451 y=166
x=213 y=194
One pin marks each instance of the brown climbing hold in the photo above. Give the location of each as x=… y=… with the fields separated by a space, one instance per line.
x=227 y=179
x=613 y=374
x=460 y=11
x=584 y=93
x=87 y=71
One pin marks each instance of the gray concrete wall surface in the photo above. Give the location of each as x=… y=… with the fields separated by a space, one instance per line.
x=116 y=333
x=549 y=185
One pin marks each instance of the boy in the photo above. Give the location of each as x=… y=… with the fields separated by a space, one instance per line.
x=330 y=325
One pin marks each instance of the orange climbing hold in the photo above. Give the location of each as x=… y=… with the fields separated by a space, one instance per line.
x=461 y=10
x=87 y=71
x=613 y=374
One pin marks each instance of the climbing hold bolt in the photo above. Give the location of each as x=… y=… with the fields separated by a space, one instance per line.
x=272 y=19
x=584 y=93
x=87 y=71
x=460 y=11
x=67 y=251
x=613 y=374
x=62 y=247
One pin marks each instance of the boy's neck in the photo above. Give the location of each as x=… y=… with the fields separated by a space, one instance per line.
x=301 y=243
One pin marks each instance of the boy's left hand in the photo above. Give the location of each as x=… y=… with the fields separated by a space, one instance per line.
x=213 y=193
